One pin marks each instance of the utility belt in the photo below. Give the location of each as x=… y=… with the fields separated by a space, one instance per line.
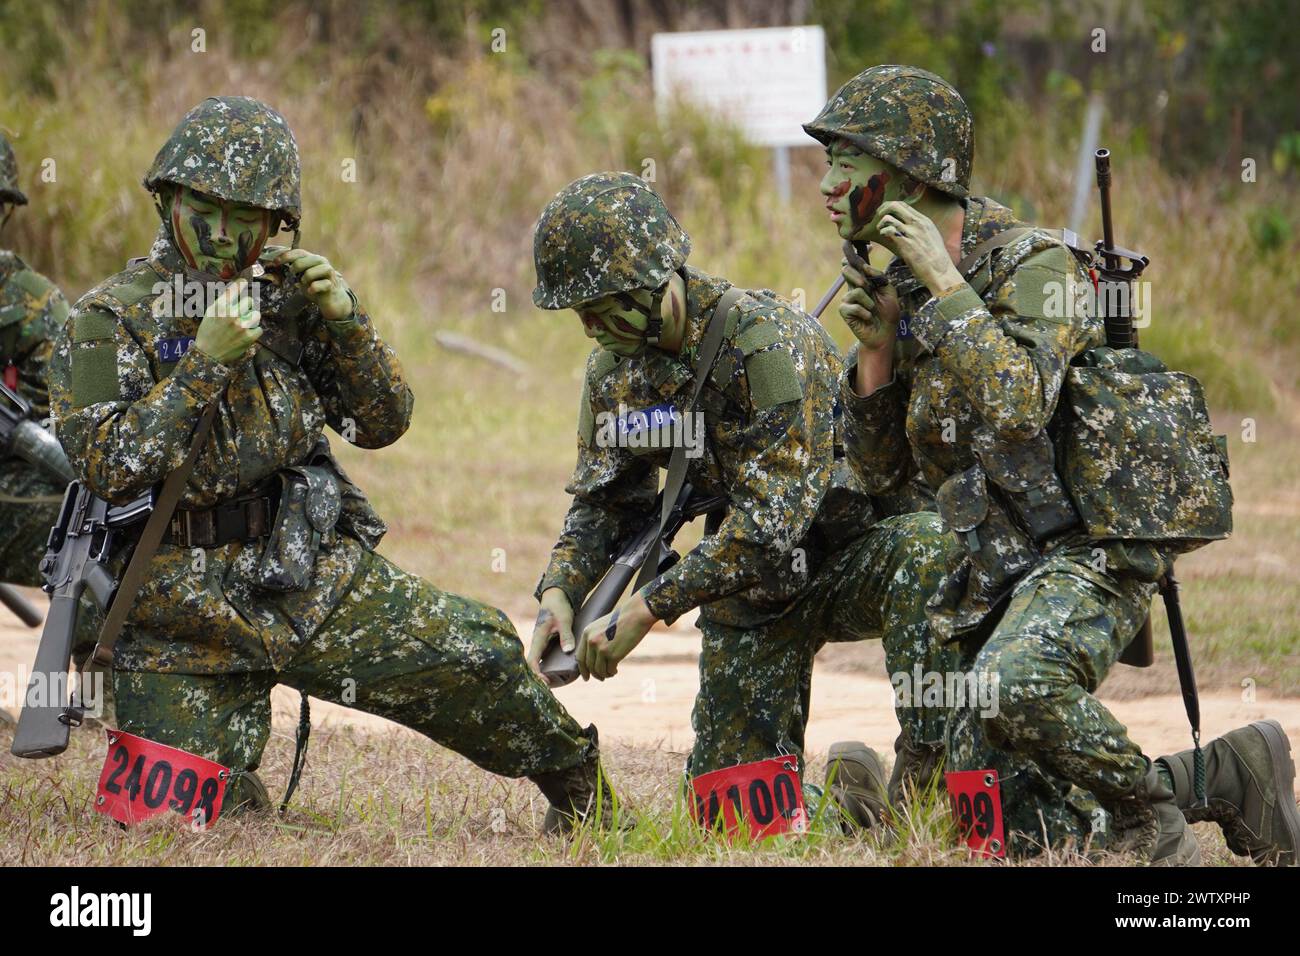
x=245 y=518
x=295 y=518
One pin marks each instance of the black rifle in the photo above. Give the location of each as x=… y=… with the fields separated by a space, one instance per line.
x=76 y=557
x=21 y=436
x=1120 y=268
x=561 y=667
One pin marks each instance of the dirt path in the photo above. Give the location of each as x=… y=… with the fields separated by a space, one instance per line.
x=649 y=702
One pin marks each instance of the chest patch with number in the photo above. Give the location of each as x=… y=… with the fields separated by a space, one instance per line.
x=142 y=779
x=977 y=804
x=766 y=797
x=171 y=350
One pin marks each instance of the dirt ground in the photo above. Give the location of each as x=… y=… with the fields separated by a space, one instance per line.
x=648 y=704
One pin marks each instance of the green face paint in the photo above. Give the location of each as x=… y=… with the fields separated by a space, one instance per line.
x=217 y=236
x=855 y=186
x=616 y=326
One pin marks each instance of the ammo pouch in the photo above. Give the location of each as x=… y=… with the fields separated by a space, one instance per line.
x=310 y=503
x=1138 y=454
x=1026 y=478
x=999 y=550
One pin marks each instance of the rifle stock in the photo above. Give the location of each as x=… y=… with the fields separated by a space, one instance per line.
x=43 y=726
x=560 y=667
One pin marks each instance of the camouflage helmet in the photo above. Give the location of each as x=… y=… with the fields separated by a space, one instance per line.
x=906 y=117
x=604 y=234
x=9 y=191
x=237 y=149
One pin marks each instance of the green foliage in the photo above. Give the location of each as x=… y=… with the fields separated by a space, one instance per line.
x=1270 y=229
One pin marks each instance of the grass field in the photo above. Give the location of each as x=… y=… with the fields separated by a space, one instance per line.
x=396 y=799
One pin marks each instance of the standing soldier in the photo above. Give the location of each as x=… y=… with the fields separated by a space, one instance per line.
x=268 y=572
x=32 y=313
x=959 y=371
x=797 y=560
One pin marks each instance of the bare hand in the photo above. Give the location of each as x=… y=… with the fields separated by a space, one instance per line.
x=230 y=325
x=609 y=639
x=870 y=309
x=320 y=282
x=917 y=240
x=554 y=620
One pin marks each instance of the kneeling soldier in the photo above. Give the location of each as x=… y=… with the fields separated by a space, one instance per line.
x=797 y=559
x=268 y=574
x=964 y=372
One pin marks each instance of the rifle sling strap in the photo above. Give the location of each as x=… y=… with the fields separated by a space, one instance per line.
x=713 y=336
x=152 y=535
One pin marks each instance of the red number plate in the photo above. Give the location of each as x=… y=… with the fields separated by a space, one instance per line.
x=142 y=779
x=767 y=796
x=977 y=804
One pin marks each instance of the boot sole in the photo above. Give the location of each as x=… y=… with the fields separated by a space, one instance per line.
x=1279 y=750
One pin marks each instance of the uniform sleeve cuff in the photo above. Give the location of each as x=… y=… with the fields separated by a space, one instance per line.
x=874 y=410
x=575 y=591
x=666 y=598
x=201 y=375
x=348 y=329
x=934 y=320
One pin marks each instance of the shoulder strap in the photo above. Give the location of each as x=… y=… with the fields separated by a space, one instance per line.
x=713 y=336
x=150 y=538
x=1068 y=236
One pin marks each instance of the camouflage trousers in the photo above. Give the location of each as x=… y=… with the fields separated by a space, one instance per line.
x=444 y=665
x=1061 y=756
x=756 y=683
x=25 y=525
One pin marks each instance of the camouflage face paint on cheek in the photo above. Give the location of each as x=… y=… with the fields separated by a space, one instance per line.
x=865 y=200
x=250 y=243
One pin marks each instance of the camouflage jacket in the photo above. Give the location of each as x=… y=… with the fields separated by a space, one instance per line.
x=770 y=419
x=127 y=391
x=973 y=404
x=32 y=313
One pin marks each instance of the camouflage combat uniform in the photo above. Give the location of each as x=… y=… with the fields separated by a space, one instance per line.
x=32 y=313
x=976 y=386
x=214 y=628
x=1072 y=474
x=797 y=560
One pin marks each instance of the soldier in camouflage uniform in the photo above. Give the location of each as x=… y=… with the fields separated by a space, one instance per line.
x=959 y=373
x=268 y=573
x=32 y=313
x=798 y=559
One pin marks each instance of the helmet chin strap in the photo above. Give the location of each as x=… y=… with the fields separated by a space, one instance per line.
x=655 y=320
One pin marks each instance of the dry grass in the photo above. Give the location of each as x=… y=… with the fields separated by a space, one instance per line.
x=396 y=799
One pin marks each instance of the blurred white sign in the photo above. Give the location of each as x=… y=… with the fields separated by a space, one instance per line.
x=767 y=82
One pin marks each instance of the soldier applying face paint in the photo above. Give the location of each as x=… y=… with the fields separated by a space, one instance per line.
x=963 y=373
x=268 y=572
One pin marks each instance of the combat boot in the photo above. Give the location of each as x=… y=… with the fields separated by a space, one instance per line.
x=1249 y=790
x=1148 y=822
x=246 y=794
x=915 y=766
x=855 y=781
x=572 y=793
